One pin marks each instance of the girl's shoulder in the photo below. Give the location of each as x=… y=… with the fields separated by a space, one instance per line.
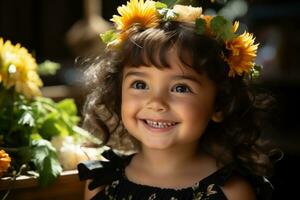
x=235 y=180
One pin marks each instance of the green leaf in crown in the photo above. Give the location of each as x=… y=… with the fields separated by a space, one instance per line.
x=200 y=26
x=222 y=28
x=108 y=36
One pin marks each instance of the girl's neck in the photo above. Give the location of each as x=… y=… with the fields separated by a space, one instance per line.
x=172 y=168
x=166 y=161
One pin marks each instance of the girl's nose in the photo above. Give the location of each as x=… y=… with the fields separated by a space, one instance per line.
x=158 y=103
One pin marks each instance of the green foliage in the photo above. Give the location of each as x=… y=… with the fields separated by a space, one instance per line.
x=200 y=26
x=108 y=36
x=169 y=3
x=160 y=5
x=255 y=72
x=27 y=126
x=48 y=68
x=167 y=14
x=45 y=160
x=27 y=117
x=222 y=28
x=188 y=2
x=55 y=118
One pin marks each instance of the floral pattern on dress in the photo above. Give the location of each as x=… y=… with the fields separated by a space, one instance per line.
x=114 y=184
x=198 y=193
x=152 y=197
x=210 y=190
x=201 y=195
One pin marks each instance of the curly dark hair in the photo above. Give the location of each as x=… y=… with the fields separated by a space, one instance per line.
x=235 y=139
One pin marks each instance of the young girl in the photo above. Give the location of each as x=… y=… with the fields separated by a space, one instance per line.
x=173 y=87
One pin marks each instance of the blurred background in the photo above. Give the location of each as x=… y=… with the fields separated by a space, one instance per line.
x=68 y=30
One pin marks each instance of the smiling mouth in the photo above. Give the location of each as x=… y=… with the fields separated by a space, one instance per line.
x=159 y=124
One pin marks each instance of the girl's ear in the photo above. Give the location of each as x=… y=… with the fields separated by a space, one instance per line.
x=217 y=116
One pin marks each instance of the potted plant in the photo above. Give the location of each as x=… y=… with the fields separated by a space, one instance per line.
x=38 y=137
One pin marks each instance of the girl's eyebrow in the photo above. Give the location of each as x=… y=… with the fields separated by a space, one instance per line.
x=187 y=77
x=135 y=73
x=176 y=77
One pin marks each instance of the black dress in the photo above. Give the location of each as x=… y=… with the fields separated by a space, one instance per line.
x=117 y=187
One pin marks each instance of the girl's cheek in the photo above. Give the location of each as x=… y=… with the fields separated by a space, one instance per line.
x=131 y=100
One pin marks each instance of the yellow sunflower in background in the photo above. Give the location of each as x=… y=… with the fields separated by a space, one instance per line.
x=18 y=69
x=242 y=53
x=139 y=12
x=4 y=162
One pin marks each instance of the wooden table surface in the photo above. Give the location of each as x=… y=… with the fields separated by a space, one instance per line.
x=66 y=187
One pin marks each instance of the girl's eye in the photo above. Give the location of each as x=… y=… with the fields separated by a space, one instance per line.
x=181 y=89
x=139 y=85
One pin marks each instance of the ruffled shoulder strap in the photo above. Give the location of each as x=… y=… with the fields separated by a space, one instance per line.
x=262 y=185
x=103 y=172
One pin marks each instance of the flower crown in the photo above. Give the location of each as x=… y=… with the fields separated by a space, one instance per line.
x=241 y=50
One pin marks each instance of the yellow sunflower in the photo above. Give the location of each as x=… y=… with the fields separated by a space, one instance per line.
x=18 y=69
x=136 y=12
x=242 y=53
x=4 y=162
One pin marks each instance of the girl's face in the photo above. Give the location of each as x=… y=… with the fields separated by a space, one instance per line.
x=163 y=108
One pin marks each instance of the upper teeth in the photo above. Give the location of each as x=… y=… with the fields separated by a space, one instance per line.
x=160 y=124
